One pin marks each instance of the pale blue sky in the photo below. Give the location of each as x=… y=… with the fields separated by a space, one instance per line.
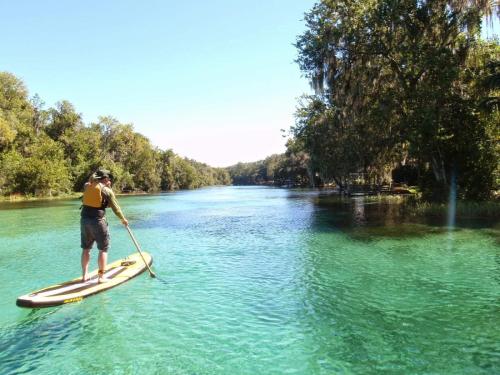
x=213 y=80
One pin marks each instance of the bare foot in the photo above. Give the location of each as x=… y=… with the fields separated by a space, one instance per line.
x=103 y=279
x=85 y=278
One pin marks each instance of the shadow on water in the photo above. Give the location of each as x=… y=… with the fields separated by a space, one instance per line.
x=365 y=219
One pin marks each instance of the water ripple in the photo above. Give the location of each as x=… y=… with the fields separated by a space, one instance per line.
x=258 y=281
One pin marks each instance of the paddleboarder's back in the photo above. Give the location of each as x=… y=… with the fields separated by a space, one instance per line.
x=97 y=196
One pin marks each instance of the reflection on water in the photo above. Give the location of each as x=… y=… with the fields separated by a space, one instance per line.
x=452 y=202
x=366 y=216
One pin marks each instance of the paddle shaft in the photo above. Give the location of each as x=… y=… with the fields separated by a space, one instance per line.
x=151 y=273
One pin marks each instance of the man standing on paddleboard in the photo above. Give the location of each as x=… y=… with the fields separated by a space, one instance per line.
x=97 y=195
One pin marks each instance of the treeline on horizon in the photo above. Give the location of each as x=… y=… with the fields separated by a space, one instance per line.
x=289 y=169
x=51 y=152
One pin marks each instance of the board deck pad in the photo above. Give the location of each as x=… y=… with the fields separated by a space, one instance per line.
x=75 y=290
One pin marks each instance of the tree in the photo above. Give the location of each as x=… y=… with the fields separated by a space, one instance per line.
x=63 y=119
x=7 y=133
x=16 y=113
x=42 y=171
x=40 y=116
x=389 y=88
x=50 y=152
x=82 y=152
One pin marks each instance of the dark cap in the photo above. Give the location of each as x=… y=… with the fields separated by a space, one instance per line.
x=102 y=173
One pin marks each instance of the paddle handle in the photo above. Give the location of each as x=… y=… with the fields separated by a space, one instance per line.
x=151 y=273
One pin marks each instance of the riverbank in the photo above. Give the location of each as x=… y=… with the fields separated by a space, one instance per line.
x=13 y=198
x=463 y=209
x=413 y=206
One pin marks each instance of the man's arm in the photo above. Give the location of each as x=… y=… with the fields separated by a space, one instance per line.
x=113 y=203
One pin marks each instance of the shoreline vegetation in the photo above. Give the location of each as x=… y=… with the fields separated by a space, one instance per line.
x=404 y=91
x=14 y=198
x=412 y=205
x=463 y=209
x=50 y=152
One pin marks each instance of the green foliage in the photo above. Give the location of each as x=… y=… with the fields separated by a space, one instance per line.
x=7 y=133
x=82 y=153
x=397 y=83
x=16 y=114
x=464 y=209
x=14 y=99
x=290 y=169
x=63 y=120
x=182 y=173
x=248 y=173
x=42 y=171
x=52 y=152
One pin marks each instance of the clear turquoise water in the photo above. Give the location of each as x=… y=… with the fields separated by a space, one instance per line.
x=255 y=281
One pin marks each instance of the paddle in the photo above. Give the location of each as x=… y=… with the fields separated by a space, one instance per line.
x=151 y=273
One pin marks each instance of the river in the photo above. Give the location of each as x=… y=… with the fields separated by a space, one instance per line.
x=255 y=280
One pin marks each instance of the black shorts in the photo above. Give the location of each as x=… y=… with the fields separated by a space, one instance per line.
x=94 y=230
